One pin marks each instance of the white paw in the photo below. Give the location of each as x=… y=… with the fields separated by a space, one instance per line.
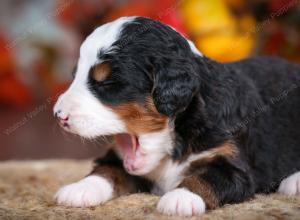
x=290 y=185
x=90 y=191
x=181 y=202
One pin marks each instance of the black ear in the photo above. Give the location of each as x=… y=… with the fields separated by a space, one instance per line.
x=175 y=84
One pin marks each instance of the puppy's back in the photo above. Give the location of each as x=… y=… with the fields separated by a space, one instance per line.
x=275 y=132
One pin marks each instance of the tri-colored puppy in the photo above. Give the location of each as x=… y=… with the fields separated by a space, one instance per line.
x=197 y=132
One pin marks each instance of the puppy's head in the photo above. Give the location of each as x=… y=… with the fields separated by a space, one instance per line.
x=133 y=76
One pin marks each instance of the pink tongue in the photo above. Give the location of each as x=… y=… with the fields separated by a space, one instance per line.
x=126 y=143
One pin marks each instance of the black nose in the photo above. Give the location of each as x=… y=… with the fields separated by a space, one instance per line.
x=60 y=116
x=56 y=114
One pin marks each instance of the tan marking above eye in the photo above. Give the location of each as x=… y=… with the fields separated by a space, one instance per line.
x=100 y=71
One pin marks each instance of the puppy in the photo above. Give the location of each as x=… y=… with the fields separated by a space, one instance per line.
x=200 y=133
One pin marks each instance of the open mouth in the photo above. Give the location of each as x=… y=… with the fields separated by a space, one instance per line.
x=128 y=143
x=130 y=148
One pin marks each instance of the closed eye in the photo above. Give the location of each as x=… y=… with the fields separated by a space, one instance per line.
x=108 y=83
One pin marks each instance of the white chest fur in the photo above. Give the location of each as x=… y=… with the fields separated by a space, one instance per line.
x=169 y=174
x=166 y=176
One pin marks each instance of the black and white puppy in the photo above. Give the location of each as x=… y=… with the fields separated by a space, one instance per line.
x=197 y=132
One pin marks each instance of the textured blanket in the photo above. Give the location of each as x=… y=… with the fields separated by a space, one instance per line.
x=27 y=189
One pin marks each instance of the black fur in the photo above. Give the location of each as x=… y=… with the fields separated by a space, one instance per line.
x=110 y=159
x=253 y=103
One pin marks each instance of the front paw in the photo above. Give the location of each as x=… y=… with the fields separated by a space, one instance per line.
x=181 y=202
x=291 y=185
x=90 y=191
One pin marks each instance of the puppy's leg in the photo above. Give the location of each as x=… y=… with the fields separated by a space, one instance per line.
x=290 y=185
x=207 y=187
x=106 y=181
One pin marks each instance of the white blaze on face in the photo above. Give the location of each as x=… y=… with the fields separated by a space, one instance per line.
x=87 y=116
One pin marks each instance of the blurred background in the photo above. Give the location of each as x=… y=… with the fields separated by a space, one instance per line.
x=39 y=42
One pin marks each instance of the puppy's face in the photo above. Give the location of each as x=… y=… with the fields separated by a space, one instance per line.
x=131 y=80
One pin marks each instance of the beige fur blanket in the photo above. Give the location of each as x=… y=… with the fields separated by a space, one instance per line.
x=27 y=188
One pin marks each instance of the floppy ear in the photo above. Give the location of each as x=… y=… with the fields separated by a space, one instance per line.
x=175 y=84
